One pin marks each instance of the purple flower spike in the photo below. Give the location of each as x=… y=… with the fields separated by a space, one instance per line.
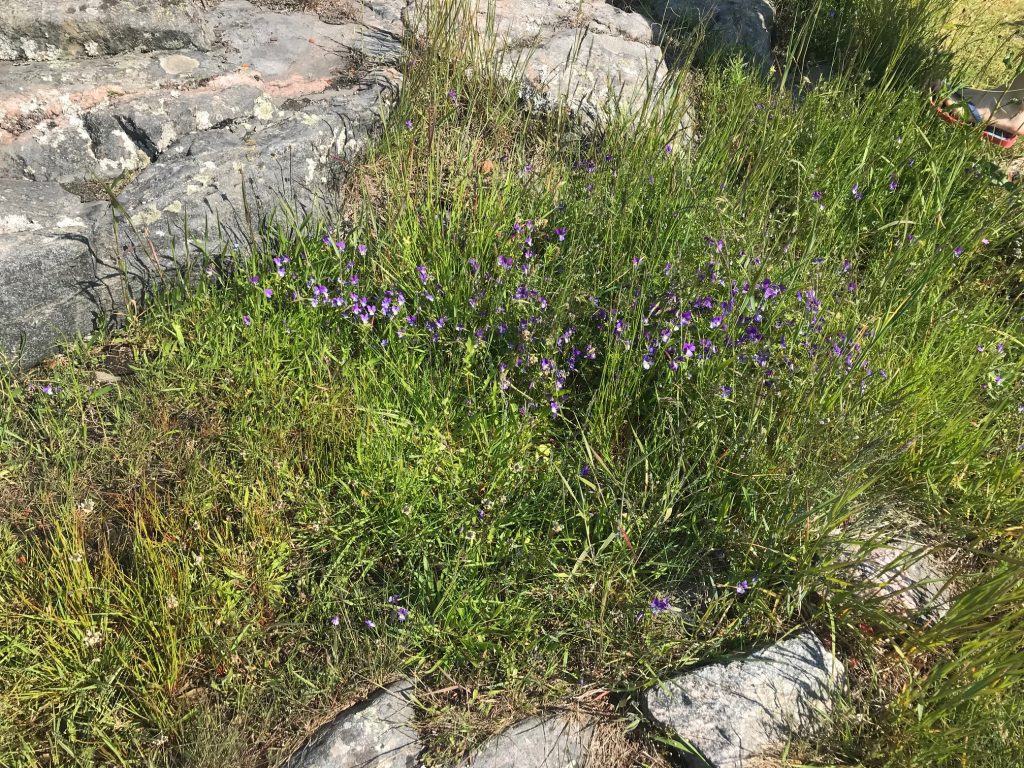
x=560 y=232
x=424 y=276
x=402 y=614
x=246 y=321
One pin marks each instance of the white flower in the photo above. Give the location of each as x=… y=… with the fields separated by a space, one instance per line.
x=93 y=637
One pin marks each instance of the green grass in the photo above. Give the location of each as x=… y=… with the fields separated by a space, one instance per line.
x=176 y=543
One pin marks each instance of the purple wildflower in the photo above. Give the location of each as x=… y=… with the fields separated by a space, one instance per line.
x=421 y=272
x=335 y=620
x=659 y=604
x=246 y=321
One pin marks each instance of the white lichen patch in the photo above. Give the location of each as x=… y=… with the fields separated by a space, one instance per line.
x=263 y=108
x=148 y=215
x=167 y=136
x=16 y=222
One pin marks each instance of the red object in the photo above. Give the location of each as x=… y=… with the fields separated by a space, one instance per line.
x=992 y=135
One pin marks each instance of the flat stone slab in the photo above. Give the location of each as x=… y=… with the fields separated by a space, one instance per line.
x=733 y=713
x=552 y=741
x=32 y=92
x=43 y=30
x=377 y=733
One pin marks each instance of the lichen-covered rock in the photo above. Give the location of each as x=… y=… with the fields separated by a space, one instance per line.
x=215 y=188
x=72 y=151
x=43 y=30
x=547 y=741
x=750 y=708
x=377 y=733
x=48 y=286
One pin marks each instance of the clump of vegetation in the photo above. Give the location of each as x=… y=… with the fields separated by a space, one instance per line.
x=544 y=415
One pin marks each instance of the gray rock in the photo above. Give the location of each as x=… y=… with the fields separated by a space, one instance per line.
x=742 y=24
x=591 y=57
x=736 y=712
x=597 y=76
x=299 y=47
x=31 y=92
x=72 y=151
x=54 y=29
x=538 y=742
x=903 y=576
x=378 y=733
x=156 y=122
x=215 y=188
x=48 y=290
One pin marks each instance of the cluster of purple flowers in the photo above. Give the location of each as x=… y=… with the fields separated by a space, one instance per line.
x=499 y=314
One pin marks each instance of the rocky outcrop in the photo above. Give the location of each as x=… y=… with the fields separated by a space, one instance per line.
x=750 y=708
x=199 y=122
x=200 y=118
x=47 y=267
x=44 y=30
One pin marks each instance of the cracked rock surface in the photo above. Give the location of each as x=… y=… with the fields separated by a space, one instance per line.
x=200 y=117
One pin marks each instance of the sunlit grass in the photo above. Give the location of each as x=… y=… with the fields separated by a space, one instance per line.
x=192 y=554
